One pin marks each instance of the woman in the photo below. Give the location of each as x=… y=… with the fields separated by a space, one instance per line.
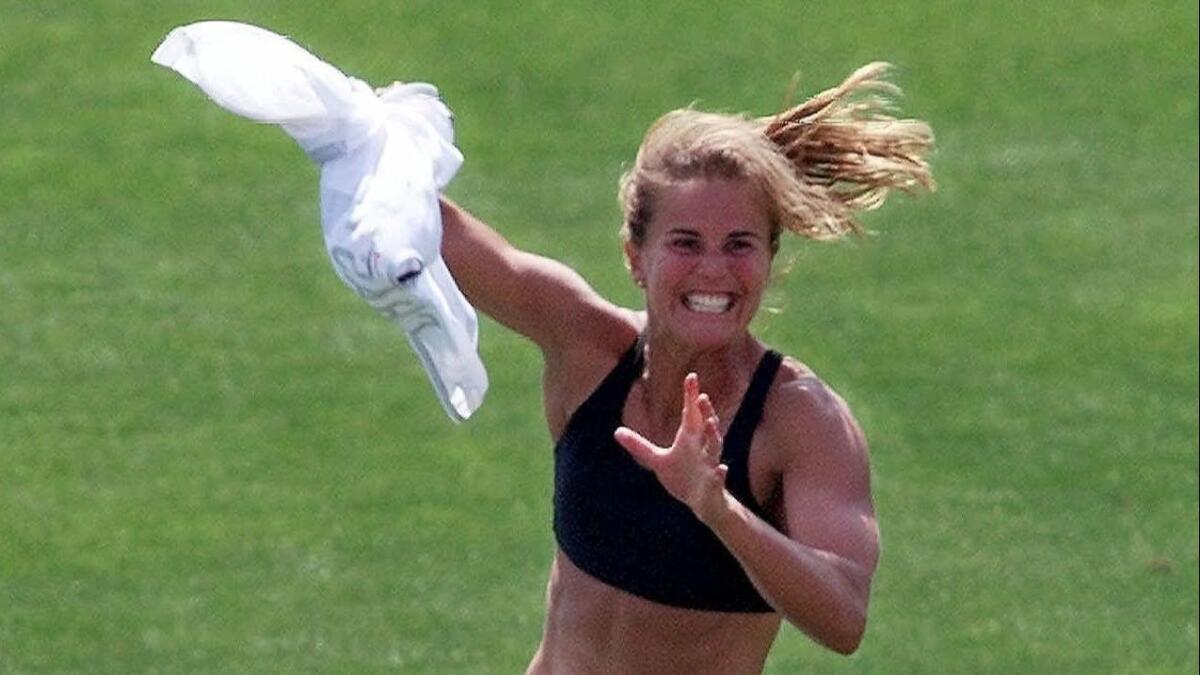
x=685 y=537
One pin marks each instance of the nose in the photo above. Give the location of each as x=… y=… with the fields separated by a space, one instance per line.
x=711 y=264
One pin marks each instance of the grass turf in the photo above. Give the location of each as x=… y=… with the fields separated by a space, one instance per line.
x=215 y=459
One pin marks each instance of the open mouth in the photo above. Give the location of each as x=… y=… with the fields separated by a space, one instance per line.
x=708 y=303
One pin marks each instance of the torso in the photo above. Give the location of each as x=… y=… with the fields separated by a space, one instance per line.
x=594 y=627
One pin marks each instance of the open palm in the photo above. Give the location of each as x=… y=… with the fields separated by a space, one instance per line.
x=690 y=469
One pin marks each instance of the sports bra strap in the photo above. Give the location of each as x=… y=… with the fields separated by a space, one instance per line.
x=603 y=405
x=736 y=452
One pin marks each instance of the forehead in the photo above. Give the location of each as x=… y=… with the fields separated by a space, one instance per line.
x=716 y=206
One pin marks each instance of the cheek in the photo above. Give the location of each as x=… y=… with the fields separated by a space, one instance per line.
x=754 y=271
x=665 y=266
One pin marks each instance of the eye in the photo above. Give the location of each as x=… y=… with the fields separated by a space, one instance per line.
x=685 y=244
x=740 y=246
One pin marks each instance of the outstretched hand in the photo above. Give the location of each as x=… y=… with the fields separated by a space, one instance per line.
x=691 y=469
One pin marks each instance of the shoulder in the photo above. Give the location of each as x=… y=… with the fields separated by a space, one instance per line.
x=574 y=371
x=824 y=475
x=810 y=425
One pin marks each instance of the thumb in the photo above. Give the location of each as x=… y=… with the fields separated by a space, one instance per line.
x=721 y=474
x=645 y=452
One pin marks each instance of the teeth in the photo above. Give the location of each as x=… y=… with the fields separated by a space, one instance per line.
x=709 y=303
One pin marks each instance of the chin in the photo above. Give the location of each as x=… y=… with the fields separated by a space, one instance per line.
x=711 y=334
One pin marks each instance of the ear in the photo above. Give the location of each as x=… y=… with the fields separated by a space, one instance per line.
x=633 y=260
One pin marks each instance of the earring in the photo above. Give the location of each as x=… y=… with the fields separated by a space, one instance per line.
x=641 y=283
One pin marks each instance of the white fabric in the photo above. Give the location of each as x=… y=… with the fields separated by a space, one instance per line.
x=384 y=160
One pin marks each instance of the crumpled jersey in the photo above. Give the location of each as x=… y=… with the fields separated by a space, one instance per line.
x=384 y=158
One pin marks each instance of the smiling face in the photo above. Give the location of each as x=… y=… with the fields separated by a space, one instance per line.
x=705 y=260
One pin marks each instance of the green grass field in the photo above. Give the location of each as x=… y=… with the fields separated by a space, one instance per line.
x=214 y=458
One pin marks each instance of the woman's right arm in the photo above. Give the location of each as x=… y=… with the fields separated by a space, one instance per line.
x=535 y=296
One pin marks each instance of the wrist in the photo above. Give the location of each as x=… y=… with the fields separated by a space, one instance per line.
x=715 y=511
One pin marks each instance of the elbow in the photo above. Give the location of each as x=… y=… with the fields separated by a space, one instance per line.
x=843 y=636
x=833 y=615
x=849 y=625
x=848 y=641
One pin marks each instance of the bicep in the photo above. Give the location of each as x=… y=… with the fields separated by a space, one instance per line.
x=826 y=487
x=538 y=297
x=555 y=307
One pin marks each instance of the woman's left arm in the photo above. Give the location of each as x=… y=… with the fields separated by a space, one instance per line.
x=817 y=571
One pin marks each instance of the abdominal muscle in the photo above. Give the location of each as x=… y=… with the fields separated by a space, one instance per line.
x=592 y=627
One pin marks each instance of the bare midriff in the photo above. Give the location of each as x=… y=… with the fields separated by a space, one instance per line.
x=592 y=627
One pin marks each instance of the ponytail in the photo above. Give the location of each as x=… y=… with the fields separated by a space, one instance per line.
x=847 y=147
x=819 y=163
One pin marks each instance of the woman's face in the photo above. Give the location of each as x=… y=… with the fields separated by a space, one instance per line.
x=705 y=260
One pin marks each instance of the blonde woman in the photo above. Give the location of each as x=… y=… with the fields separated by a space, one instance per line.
x=706 y=487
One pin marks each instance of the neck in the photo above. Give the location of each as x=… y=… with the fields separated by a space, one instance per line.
x=724 y=372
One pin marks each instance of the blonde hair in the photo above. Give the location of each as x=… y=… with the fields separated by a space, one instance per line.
x=818 y=163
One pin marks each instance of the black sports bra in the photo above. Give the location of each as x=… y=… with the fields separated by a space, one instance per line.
x=616 y=522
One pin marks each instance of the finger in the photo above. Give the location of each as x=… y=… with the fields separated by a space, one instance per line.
x=713 y=443
x=645 y=452
x=694 y=415
x=706 y=406
x=720 y=474
x=710 y=415
x=691 y=417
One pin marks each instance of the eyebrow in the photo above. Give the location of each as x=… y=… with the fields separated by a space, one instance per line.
x=695 y=233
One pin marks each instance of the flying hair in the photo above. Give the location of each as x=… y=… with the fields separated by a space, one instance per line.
x=819 y=163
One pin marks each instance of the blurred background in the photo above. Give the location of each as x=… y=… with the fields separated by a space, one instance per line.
x=214 y=458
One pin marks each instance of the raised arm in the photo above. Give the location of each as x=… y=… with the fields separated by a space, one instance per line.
x=535 y=296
